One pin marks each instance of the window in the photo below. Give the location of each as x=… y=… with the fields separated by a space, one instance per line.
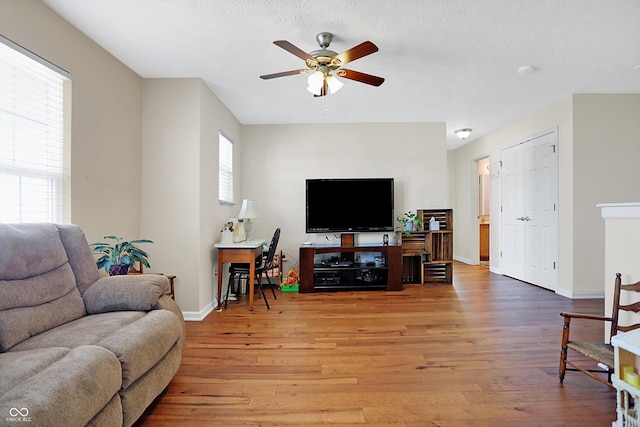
x=225 y=169
x=34 y=158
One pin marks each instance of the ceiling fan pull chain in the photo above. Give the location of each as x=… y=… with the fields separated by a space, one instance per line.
x=325 y=102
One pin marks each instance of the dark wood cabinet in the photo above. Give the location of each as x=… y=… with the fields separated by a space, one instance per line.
x=348 y=268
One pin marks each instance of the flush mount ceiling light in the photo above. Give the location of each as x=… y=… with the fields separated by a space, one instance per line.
x=463 y=133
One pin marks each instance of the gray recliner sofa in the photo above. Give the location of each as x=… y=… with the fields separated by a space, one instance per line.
x=77 y=349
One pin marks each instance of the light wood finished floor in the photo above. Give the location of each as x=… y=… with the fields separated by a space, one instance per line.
x=483 y=352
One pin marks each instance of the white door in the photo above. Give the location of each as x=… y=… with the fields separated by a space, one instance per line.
x=512 y=251
x=530 y=211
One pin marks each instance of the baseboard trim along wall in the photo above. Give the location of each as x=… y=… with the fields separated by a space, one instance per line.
x=197 y=316
x=580 y=295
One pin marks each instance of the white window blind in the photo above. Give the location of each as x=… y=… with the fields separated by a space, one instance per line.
x=34 y=152
x=225 y=169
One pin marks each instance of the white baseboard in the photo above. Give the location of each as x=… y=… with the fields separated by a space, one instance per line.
x=197 y=316
x=580 y=295
x=465 y=260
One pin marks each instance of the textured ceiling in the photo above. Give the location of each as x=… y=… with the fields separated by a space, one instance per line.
x=452 y=61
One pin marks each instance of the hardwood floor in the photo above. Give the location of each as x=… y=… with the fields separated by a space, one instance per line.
x=483 y=352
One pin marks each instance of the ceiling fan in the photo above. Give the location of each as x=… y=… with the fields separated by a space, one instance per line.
x=324 y=63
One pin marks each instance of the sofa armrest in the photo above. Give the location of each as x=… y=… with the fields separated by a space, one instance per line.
x=139 y=292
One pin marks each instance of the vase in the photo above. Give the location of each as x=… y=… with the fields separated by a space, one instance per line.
x=118 y=269
x=408 y=226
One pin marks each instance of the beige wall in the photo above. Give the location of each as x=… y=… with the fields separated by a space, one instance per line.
x=180 y=208
x=278 y=158
x=106 y=123
x=606 y=151
x=599 y=140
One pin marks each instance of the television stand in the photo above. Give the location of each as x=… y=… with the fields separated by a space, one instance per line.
x=350 y=268
x=347 y=239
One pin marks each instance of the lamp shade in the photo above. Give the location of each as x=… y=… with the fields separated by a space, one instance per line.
x=316 y=81
x=333 y=83
x=247 y=210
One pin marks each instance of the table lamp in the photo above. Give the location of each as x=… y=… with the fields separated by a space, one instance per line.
x=247 y=212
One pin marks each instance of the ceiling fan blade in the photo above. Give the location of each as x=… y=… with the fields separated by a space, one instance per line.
x=284 y=74
x=357 y=52
x=293 y=49
x=360 y=77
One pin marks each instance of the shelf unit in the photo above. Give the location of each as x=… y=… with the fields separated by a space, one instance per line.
x=348 y=268
x=427 y=256
x=626 y=348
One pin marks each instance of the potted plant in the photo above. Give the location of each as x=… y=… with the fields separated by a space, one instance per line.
x=121 y=255
x=410 y=222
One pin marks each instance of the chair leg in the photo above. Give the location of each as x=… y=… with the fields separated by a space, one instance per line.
x=271 y=286
x=563 y=364
x=232 y=280
x=562 y=369
x=259 y=279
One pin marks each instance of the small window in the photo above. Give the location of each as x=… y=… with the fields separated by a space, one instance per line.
x=225 y=169
x=34 y=149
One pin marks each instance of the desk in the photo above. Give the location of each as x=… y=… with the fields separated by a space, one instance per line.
x=242 y=252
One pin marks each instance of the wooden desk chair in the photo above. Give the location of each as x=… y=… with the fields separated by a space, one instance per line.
x=600 y=353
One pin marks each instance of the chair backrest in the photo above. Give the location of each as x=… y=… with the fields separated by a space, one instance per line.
x=268 y=263
x=619 y=309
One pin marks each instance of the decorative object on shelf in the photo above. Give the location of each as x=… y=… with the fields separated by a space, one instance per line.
x=324 y=65
x=433 y=224
x=119 y=257
x=247 y=212
x=463 y=133
x=410 y=221
x=226 y=234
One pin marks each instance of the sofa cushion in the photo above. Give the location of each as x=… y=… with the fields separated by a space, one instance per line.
x=138 y=339
x=110 y=415
x=37 y=304
x=141 y=344
x=86 y=330
x=37 y=285
x=79 y=254
x=131 y=292
x=18 y=366
x=144 y=390
x=70 y=391
x=29 y=250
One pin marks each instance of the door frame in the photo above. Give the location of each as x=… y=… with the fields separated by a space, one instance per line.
x=474 y=204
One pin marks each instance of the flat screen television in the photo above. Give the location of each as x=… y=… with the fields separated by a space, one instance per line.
x=349 y=205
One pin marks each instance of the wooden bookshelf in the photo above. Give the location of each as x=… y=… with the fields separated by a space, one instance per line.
x=427 y=256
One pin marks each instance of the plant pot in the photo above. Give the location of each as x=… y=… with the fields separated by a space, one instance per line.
x=118 y=270
x=408 y=226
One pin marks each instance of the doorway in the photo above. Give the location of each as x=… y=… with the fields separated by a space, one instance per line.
x=484 y=210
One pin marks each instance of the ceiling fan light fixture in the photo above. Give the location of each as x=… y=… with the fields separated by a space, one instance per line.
x=316 y=81
x=463 y=133
x=334 y=84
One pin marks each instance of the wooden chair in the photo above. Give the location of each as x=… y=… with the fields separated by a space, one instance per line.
x=600 y=353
